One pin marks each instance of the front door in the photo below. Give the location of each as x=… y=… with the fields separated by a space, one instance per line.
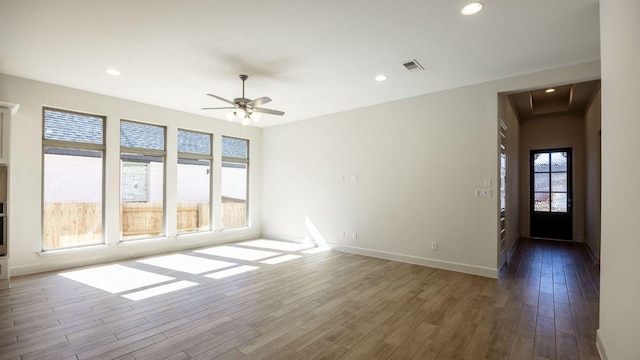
x=551 y=196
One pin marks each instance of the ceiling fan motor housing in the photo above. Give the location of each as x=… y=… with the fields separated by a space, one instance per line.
x=241 y=102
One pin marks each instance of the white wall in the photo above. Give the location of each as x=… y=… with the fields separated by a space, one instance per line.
x=592 y=206
x=508 y=115
x=26 y=174
x=620 y=279
x=71 y=186
x=418 y=162
x=193 y=183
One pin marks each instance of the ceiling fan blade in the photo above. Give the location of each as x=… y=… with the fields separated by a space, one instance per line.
x=259 y=101
x=218 y=108
x=268 y=111
x=222 y=99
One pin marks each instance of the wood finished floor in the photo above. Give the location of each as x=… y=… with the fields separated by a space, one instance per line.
x=327 y=305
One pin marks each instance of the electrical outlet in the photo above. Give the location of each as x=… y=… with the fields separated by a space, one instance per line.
x=434 y=246
x=342 y=234
x=483 y=193
x=354 y=235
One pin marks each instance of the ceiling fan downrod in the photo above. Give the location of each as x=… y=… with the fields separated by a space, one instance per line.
x=243 y=77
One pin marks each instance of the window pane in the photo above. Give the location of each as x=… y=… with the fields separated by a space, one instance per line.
x=559 y=182
x=234 y=194
x=135 y=179
x=559 y=202
x=541 y=202
x=72 y=206
x=194 y=142
x=541 y=162
x=66 y=126
x=142 y=198
x=237 y=148
x=194 y=183
x=559 y=161
x=142 y=136
x=541 y=182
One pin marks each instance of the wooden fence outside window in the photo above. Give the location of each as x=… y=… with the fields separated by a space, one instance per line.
x=80 y=224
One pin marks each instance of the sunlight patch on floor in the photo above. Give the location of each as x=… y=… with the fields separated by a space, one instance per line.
x=230 y=272
x=280 y=259
x=186 y=263
x=316 y=250
x=159 y=290
x=276 y=245
x=115 y=278
x=237 y=253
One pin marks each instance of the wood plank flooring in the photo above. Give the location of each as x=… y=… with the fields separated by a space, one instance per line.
x=324 y=305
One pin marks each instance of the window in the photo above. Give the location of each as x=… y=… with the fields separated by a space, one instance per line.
x=73 y=191
x=550 y=174
x=135 y=182
x=234 y=178
x=142 y=153
x=194 y=181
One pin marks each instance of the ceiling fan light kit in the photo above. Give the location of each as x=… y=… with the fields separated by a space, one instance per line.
x=245 y=110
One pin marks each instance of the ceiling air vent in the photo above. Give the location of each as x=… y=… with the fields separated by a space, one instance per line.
x=413 y=65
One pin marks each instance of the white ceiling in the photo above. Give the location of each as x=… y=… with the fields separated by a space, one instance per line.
x=311 y=57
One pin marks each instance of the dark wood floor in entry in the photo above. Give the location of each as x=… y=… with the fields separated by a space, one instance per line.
x=258 y=300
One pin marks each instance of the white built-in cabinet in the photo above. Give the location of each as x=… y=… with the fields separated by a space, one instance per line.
x=5 y=116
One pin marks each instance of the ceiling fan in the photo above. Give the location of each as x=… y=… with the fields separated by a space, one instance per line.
x=245 y=109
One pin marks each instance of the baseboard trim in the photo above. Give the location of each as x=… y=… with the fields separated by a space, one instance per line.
x=439 y=264
x=600 y=345
x=592 y=254
x=513 y=248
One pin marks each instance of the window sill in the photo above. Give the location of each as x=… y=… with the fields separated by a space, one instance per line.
x=195 y=233
x=141 y=241
x=58 y=252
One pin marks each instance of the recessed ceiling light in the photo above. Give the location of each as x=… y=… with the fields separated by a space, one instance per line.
x=550 y=90
x=381 y=78
x=112 y=71
x=472 y=8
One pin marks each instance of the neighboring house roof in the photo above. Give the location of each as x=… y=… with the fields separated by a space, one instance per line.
x=194 y=142
x=87 y=129
x=83 y=128
x=233 y=147
x=144 y=136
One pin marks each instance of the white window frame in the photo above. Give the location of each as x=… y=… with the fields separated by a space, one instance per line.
x=228 y=159
x=198 y=156
x=147 y=152
x=72 y=145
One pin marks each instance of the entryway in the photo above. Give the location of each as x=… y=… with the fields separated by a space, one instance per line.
x=550 y=159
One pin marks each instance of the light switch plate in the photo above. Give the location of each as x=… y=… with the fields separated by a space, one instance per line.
x=483 y=193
